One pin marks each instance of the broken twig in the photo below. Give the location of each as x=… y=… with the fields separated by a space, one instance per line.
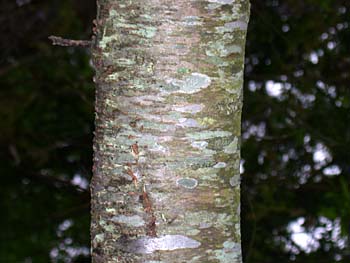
x=59 y=41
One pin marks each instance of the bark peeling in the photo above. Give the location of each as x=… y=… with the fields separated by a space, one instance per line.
x=169 y=80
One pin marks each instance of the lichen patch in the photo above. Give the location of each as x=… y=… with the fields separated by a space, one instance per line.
x=191 y=84
x=188 y=183
x=147 y=245
x=132 y=221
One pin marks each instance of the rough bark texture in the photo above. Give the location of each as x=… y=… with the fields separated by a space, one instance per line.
x=168 y=114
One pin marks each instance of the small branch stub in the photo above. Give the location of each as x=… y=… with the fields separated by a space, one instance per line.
x=59 y=41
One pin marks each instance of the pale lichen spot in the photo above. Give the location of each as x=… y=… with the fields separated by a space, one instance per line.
x=183 y=70
x=231 y=252
x=122 y=23
x=204 y=135
x=113 y=13
x=192 y=232
x=232 y=26
x=222 y=50
x=228 y=50
x=188 y=183
x=148 y=245
x=105 y=40
x=204 y=225
x=113 y=76
x=191 y=84
x=199 y=145
x=220 y=165
x=132 y=221
x=147 y=99
x=237 y=81
x=232 y=147
x=222 y=2
x=147 y=31
x=124 y=62
x=225 y=219
x=185 y=122
x=108 y=227
x=111 y=210
x=146 y=17
x=192 y=21
x=192 y=108
x=235 y=180
x=214 y=4
x=99 y=238
x=159 y=148
x=195 y=259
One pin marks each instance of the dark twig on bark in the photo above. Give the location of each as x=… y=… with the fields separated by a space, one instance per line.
x=59 y=41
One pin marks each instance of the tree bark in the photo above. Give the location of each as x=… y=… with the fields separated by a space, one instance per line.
x=166 y=176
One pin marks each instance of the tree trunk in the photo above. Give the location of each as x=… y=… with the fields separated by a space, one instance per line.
x=166 y=177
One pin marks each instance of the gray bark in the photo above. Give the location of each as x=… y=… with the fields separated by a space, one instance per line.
x=166 y=177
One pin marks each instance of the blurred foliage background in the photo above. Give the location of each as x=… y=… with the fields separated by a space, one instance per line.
x=295 y=132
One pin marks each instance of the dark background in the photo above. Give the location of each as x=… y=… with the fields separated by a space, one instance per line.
x=295 y=130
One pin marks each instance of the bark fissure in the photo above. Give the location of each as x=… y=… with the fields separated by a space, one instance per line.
x=169 y=80
x=147 y=205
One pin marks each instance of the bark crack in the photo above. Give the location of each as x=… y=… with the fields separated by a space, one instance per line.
x=147 y=205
